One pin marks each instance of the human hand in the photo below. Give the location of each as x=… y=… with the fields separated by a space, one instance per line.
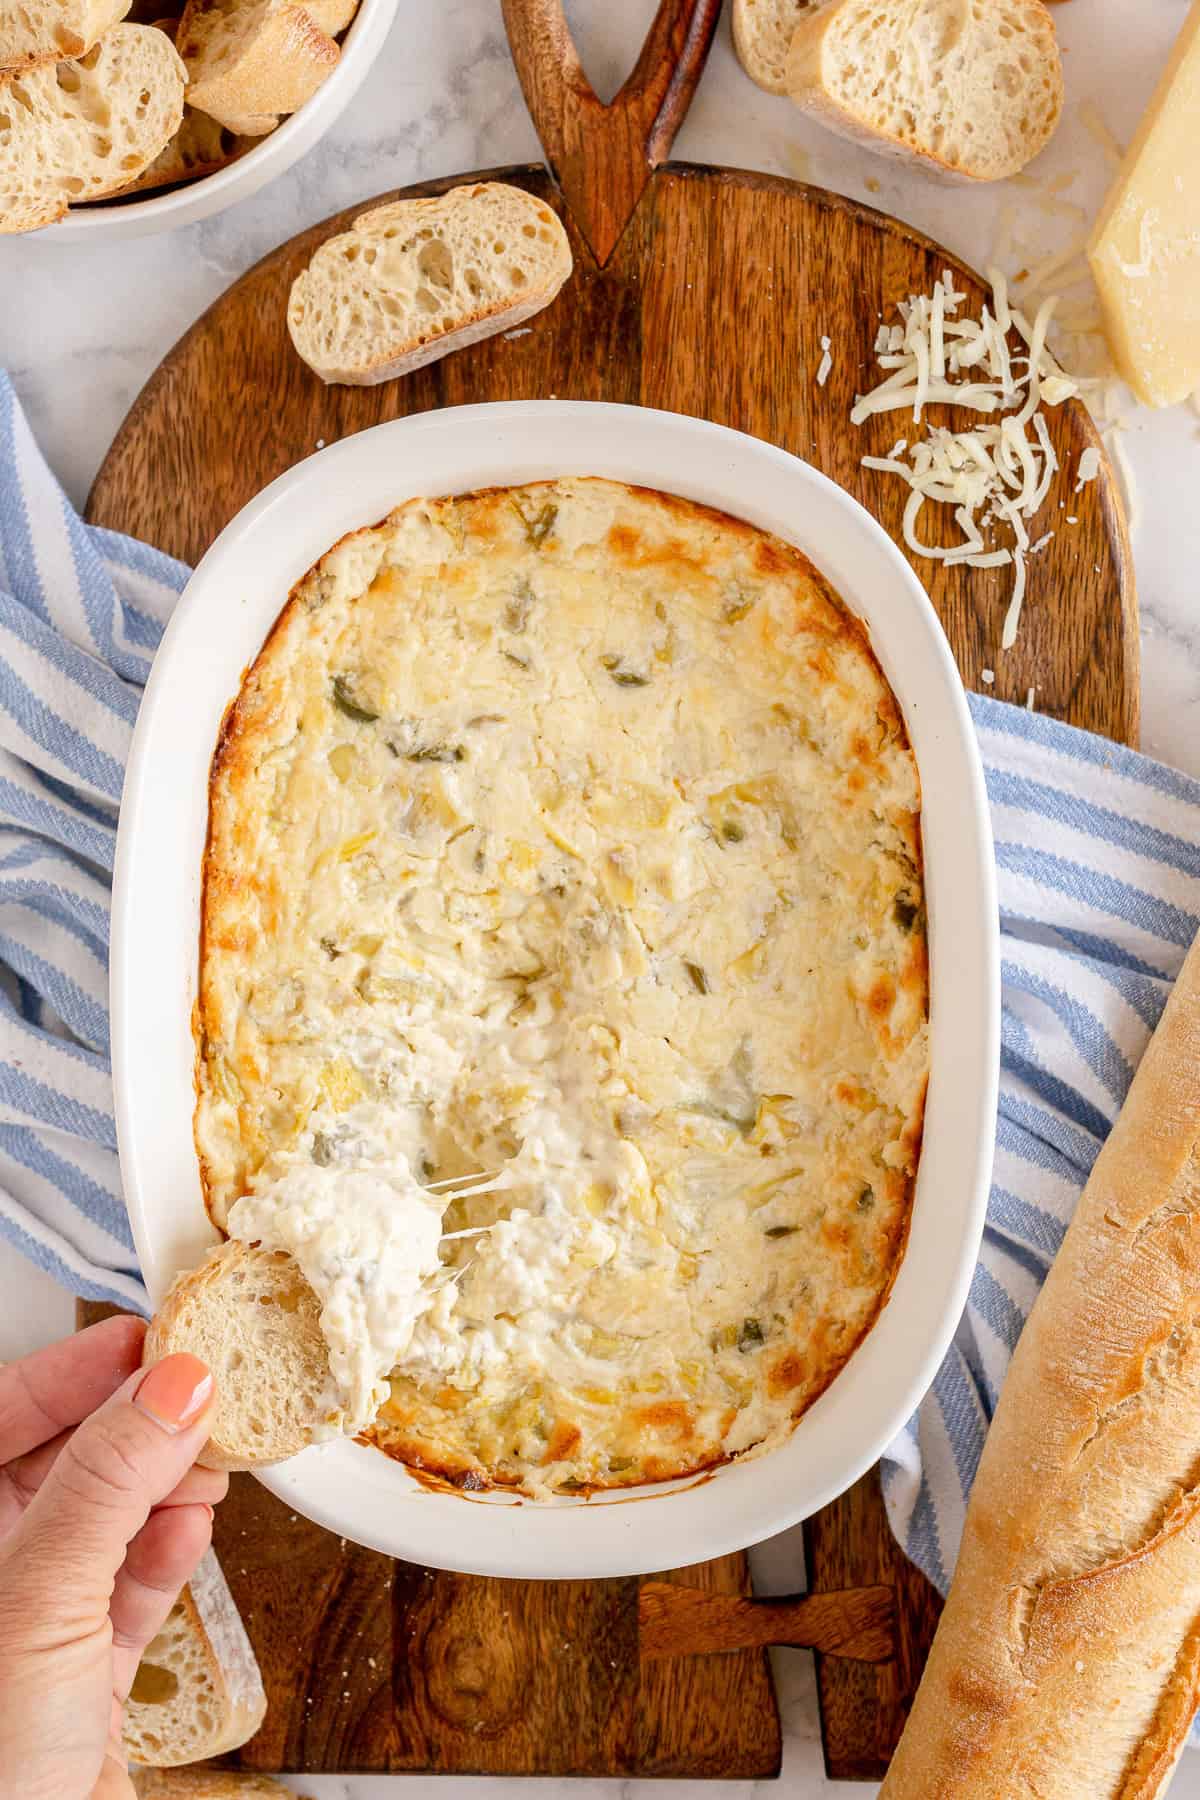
x=102 y=1520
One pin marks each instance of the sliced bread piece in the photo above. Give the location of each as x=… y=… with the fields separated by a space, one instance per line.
x=38 y=31
x=762 y=36
x=411 y=281
x=207 y=1784
x=332 y=16
x=253 y=1318
x=201 y=146
x=252 y=59
x=970 y=88
x=198 y=1691
x=84 y=128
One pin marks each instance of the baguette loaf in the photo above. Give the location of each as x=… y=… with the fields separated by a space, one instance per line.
x=252 y=1317
x=248 y=61
x=82 y=129
x=1067 y=1662
x=414 y=280
x=38 y=31
x=970 y=89
x=197 y=1691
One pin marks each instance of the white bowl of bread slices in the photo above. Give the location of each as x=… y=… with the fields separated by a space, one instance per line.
x=123 y=117
x=503 y=940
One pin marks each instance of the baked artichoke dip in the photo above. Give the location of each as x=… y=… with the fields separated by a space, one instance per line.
x=567 y=835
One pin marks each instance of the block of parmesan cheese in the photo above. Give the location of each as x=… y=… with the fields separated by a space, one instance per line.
x=1145 y=249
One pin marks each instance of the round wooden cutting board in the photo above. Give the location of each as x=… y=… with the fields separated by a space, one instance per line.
x=703 y=291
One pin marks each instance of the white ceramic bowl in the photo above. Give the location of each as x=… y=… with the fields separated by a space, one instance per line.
x=221 y=621
x=276 y=152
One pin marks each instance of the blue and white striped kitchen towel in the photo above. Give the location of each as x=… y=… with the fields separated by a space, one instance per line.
x=1099 y=864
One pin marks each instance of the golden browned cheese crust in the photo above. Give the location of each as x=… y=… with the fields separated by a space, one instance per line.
x=572 y=830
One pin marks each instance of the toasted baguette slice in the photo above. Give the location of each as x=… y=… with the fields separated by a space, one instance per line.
x=332 y=16
x=970 y=88
x=205 y=1784
x=414 y=280
x=38 y=31
x=253 y=1318
x=201 y=146
x=762 y=35
x=85 y=128
x=198 y=1690
x=252 y=60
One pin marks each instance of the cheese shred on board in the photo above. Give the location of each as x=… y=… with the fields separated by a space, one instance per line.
x=995 y=475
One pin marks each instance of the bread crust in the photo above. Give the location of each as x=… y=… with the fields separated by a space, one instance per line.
x=206 y=1784
x=269 y=63
x=1067 y=1661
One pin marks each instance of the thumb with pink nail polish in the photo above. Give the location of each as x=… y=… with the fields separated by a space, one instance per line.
x=112 y=1518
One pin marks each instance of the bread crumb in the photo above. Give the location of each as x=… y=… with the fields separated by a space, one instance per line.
x=871 y=184
x=320 y=446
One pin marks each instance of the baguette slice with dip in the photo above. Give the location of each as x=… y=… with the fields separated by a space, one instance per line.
x=253 y=1318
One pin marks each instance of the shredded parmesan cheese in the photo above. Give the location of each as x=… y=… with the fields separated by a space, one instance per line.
x=1089 y=467
x=1133 y=510
x=826 y=363
x=1093 y=120
x=992 y=475
x=1065 y=268
x=987 y=676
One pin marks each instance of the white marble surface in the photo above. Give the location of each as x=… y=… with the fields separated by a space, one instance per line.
x=81 y=329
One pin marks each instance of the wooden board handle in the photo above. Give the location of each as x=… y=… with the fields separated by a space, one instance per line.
x=859 y=1623
x=601 y=156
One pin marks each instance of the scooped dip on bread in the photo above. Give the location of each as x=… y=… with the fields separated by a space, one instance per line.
x=564 y=848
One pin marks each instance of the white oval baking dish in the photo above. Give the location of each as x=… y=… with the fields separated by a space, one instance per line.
x=230 y=603
x=104 y=222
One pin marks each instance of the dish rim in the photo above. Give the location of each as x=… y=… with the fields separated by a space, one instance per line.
x=356 y=1491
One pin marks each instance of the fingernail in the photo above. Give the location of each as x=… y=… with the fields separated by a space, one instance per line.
x=175 y=1392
